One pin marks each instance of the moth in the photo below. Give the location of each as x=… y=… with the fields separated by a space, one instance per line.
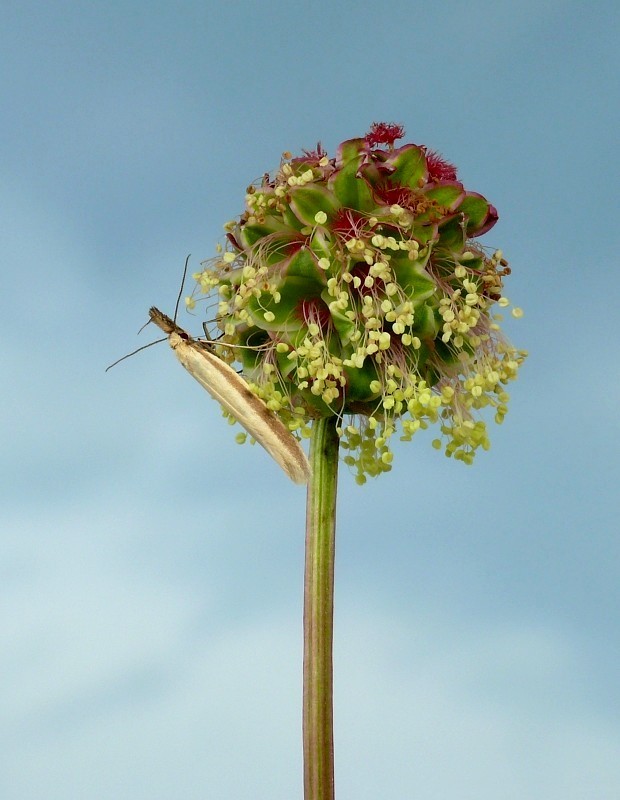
x=232 y=393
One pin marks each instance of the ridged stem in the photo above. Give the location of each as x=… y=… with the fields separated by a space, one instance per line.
x=318 y=733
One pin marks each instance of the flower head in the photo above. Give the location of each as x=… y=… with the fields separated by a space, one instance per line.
x=355 y=286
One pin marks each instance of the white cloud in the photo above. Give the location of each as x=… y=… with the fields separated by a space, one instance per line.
x=431 y=711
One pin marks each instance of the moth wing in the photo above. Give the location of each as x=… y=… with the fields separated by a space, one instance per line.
x=233 y=394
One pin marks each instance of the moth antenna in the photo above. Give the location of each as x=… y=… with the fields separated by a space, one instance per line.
x=206 y=330
x=176 y=308
x=148 y=322
x=144 y=346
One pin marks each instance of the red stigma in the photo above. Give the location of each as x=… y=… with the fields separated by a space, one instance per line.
x=384 y=133
x=310 y=156
x=400 y=195
x=438 y=168
x=349 y=223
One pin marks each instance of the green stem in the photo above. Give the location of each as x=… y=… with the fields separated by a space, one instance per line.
x=318 y=728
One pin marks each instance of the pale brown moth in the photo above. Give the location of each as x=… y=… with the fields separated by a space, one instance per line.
x=233 y=394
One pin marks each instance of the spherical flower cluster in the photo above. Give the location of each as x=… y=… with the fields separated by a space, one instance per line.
x=355 y=286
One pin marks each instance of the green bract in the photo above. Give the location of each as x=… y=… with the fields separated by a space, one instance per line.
x=354 y=286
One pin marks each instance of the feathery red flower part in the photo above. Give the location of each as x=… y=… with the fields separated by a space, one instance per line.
x=384 y=133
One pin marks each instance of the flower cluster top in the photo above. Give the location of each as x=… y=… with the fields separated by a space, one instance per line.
x=355 y=286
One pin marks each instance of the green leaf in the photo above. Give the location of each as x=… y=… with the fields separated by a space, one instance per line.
x=351 y=190
x=285 y=364
x=449 y=354
x=286 y=318
x=249 y=234
x=410 y=167
x=343 y=325
x=448 y=195
x=351 y=150
x=313 y=401
x=248 y=355
x=416 y=358
x=304 y=264
x=322 y=245
x=412 y=279
x=307 y=201
x=291 y=220
x=476 y=209
x=452 y=235
x=425 y=233
x=359 y=380
x=425 y=323
x=273 y=249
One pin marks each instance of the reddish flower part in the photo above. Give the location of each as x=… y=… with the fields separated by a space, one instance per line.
x=310 y=157
x=389 y=195
x=491 y=219
x=348 y=223
x=438 y=168
x=384 y=133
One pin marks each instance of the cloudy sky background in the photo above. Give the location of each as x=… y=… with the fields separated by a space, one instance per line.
x=150 y=569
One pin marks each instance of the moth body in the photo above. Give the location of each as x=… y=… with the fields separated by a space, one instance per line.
x=234 y=394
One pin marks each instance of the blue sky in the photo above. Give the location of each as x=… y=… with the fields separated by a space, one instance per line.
x=150 y=568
